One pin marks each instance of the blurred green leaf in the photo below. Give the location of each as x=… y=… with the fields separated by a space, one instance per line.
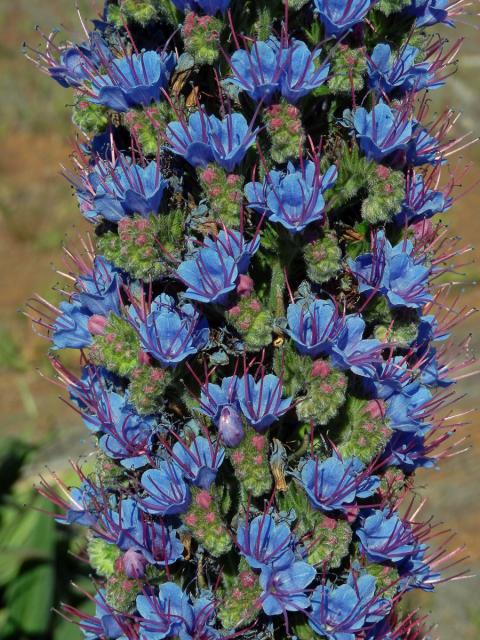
x=29 y=599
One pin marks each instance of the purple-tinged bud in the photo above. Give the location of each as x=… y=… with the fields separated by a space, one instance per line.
x=96 y=325
x=230 y=427
x=134 y=564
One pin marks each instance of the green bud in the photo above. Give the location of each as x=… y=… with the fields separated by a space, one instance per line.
x=253 y=322
x=386 y=191
x=117 y=348
x=205 y=523
x=90 y=118
x=250 y=461
x=294 y=368
x=224 y=194
x=148 y=123
x=121 y=592
x=347 y=70
x=295 y=5
x=147 y=388
x=325 y=394
x=141 y=11
x=403 y=334
x=388 y=7
x=323 y=258
x=329 y=542
x=386 y=579
x=102 y=556
x=202 y=37
x=284 y=128
x=366 y=433
x=240 y=605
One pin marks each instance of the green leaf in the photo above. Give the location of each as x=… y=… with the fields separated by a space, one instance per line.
x=29 y=599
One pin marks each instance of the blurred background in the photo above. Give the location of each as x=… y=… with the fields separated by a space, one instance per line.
x=39 y=432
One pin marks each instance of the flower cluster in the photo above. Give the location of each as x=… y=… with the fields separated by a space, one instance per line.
x=264 y=352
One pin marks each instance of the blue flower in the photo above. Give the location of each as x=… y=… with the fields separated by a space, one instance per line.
x=114 y=191
x=230 y=243
x=340 y=613
x=210 y=7
x=416 y=573
x=335 y=484
x=261 y=401
x=133 y=80
x=399 y=72
x=338 y=16
x=200 y=462
x=230 y=140
x=384 y=537
x=76 y=63
x=167 y=492
x=285 y=589
x=394 y=272
x=170 y=333
x=171 y=614
x=423 y=147
x=421 y=202
x=192 y=140
x=215 y=397
x=408 y=451
x=407 y=410
x=352 y=351
x=313 y=329
x=430 y=12
x=264 y=543
x=271 y=67
x=70 y=330
x=209 y=276
x=381 y=131
x=128 y=436
x=106 y=623
x=80 y=506
x=295 y=198
x=98 y=290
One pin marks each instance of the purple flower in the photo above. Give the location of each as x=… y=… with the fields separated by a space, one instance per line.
x=271 y=67
x=261 y=401
x=170 y=333
x=285 y=589
x=421 y=202
x=340 y=613
x=230 y=140
x=171 y=614
x=80 y=506
x=75 y=64
x=167 y=492
x=389 y=72
x=423 y=148
x=352 y=351
x=408 y=451
x=384 y=537
x=210 y=7
x=230 y=243
x=215 y=397
x=133 y=80
x=335 y=484
x=199 y=463
x=338 y=16
x=266 y=544
x=382 y=131
x=230 y=426
x=209 y=276
x=124 y=188
x=106 y=623
x=295 y=198
x=314 y=329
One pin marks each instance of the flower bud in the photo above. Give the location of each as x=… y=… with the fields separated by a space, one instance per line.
x=230 y=427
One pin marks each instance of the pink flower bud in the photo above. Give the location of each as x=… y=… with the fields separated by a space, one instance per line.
x=375 y=409
x=96 y=325
x=134 y=564
x=143 y=357
x=204 y=500
x=245 y=286
x=320 y=369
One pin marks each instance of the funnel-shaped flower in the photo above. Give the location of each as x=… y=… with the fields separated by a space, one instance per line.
x=167 y=492
x=170 y=333
x=340 y=613
x=232 y=244
x=114 y=191
x=335 y=484
x=399 y=72
x=199 y=462
x=314 y=328
x=209 y=276
x=210 y=7
x=261 y=401
x=70 y=330
x=384 y=537
x=430 y=12
x=192 y=140
x=285 y=589
x=294 y=198
x=407 y=411
x=338 y=16
x=133 y=80
x=421 y=202
x=264 y=543
x=382 y=131
x=352 y=351
x=230 y=140
x=99 y=289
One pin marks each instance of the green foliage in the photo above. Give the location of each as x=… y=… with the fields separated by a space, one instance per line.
x=223 y=192
x=324 y=394
x=347 y=71
x=366 y=433
x=391 y=6
x=202 y=38
x=90 y=118
x=147 y=386
x=386 y=190
x=118 y=348
x=250 y=461
x=284 y=128
x=205 y=523
x=240 y=604
x=253 y=322
x=102 y=556
x=323 y=258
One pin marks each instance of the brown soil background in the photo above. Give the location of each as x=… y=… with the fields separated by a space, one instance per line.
x=38 y=212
